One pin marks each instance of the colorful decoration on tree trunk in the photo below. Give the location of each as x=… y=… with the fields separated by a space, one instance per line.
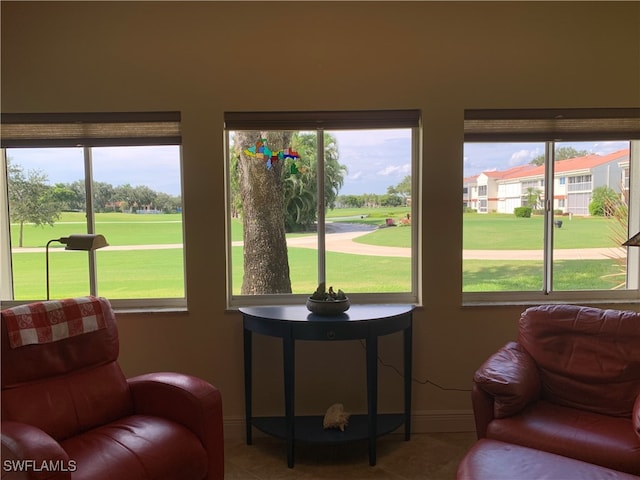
x=261 y=151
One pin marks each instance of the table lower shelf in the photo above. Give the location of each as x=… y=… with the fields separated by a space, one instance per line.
x=309 y=428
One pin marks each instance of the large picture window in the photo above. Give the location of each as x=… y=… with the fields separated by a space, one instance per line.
x=322 y=198
x=112 y=174
x=562 y=193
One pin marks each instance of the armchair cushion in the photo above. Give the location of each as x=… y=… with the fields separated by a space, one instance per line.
x=67 y=405
x=636 y=416
x=588 y=358
x=138 y=446
x=511 y=377
x=587 y=436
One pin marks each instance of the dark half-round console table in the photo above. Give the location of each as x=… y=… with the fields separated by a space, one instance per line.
x=360 y=322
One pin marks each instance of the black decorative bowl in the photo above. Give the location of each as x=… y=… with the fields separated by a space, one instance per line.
x=328 y=307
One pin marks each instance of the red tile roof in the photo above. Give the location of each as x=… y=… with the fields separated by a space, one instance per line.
x=562 y=166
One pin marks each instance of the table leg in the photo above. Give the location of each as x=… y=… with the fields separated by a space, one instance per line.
x=248 y=358
x=372 y=395
x=408 y=344
x=289 y=397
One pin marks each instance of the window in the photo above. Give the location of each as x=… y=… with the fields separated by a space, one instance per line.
x=568 y=196
x=113 y=174
x=359 y=235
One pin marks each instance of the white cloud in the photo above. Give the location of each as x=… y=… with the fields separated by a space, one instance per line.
x=521 y=157
x=395 y=170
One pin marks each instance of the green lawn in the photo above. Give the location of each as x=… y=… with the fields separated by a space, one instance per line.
x=124 y=274
x=501 y=232
x=158 y=273
x=524 y=275
x=352 y=273
x=118 y=228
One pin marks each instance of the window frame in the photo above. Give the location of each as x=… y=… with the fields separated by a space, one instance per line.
x=551 y=126
x=87 y=130
x=320 y=122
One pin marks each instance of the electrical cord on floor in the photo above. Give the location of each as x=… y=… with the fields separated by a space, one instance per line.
x=426 y=381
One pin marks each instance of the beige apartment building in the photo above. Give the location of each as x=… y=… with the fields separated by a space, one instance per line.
x=501 y=191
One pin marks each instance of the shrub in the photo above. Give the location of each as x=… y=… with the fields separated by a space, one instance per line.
x=522 y=212
x=603 y=199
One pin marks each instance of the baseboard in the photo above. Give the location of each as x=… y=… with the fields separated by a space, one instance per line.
x=428 y=421
x=234 y=427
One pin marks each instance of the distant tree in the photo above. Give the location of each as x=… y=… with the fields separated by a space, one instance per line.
x=403 y=188
x=392 y=200
x=168 y=203
x=79 y=196
x=60 y=193
x=561 y=153
x=125 y=195
x=103 y=197
x=352 y=201
x=371 y=200
x=145 y=197
x=31 y=199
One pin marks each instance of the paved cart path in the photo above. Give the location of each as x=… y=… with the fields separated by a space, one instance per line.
x=340 y=238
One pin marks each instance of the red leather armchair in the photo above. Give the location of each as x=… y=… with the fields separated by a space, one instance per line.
x=570 y=385
x=68 y=412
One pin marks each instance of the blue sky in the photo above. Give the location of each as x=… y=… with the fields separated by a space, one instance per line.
x=376 y=159
x=156 y=167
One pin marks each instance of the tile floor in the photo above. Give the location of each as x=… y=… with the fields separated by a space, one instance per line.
x=433 y=456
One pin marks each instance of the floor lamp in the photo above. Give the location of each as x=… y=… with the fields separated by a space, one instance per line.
x=633 y=241
x=86 y=242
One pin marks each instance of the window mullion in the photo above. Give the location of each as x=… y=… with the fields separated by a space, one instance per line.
x=6 y=274
x=549 y=159
x=91 y=221
x=322 y=258
x=633 y=215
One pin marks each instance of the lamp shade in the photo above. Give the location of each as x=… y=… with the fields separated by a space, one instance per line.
x=633 y=241
x=85 y=242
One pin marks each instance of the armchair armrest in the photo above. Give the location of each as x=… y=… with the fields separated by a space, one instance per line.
x=187 y=400
x=483 y=410
x=30 y=453
x=511 y=378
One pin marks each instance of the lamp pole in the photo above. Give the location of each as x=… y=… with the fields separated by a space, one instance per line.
x=47 y=262
x=82 y=241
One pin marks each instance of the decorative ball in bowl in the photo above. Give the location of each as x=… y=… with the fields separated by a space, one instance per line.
x=324 y=302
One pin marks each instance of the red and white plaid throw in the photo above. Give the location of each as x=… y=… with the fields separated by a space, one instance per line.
x=53 y=320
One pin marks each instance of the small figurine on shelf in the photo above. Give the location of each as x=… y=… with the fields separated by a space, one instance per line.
x=336 y=417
